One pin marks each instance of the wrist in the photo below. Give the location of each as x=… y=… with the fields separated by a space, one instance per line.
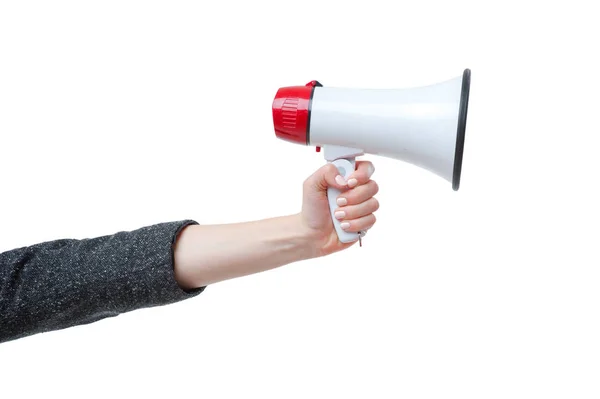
x=303 y=239
x=309 y=239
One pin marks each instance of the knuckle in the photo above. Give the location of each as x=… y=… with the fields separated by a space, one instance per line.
x=332 y=170
x=329 y=167
x=375 y=204
x=366 y=165
x=375 y=187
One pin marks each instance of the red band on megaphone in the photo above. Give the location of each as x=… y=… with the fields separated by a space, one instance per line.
x=291 y=112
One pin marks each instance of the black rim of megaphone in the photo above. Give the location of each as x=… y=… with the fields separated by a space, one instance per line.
x=462 y=125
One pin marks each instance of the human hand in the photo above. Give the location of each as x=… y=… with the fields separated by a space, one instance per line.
x=356 y=205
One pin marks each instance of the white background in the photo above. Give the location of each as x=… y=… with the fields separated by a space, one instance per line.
x=119 y=114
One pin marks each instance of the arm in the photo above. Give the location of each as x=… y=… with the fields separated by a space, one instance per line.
x=63 y=283
x=208 y=254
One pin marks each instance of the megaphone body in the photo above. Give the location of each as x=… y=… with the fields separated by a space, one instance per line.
x=424 y=126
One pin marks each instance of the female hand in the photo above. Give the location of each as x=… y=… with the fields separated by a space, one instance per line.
x=206 y=254
x=356 y=205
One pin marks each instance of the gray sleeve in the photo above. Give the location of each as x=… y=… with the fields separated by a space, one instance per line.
x=63 y=283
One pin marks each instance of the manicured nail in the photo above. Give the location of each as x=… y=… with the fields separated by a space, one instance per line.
x=340 y=180
x=352 y=182
x=345 y=225
x=341 y=201
x=340 y=215
x=371 y=170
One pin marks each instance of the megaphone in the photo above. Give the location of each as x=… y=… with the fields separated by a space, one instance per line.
x=424 y=126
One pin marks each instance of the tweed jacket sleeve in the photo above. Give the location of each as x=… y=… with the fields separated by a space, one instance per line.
x=68 y=282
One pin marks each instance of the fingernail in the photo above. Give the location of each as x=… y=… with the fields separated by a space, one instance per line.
x=345 y=225
x=342 y=201
x=371 y=170
x=340 y=180
x=352 y=182
x=340 y=215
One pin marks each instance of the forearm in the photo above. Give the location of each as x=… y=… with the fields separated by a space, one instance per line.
x=205 y=255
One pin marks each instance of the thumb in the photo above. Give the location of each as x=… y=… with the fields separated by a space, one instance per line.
x=326 y=176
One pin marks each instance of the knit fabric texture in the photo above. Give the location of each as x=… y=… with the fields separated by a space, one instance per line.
x=68 y=282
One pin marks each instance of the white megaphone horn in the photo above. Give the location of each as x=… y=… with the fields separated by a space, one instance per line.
x=424 y=126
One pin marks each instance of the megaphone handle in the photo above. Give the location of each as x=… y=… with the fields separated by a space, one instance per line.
x=345 y=166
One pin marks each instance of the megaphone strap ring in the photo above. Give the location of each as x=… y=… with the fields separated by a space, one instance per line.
x=361 y=234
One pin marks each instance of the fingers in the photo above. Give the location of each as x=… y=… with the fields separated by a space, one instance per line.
x=360 y=224
x=357 y=205
x=357 y=211
x=358 y=194
x=362 y=174
x=356 y=201
x=326 y=176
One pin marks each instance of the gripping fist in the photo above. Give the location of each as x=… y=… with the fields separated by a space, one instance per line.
x=356 y=204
